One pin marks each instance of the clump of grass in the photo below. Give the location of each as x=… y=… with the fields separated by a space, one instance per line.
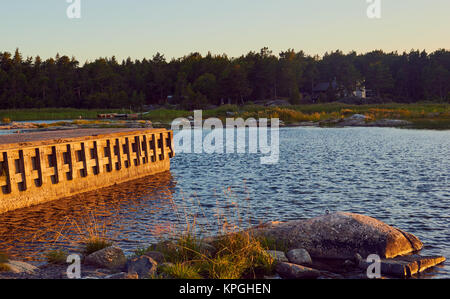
x=92 y=234
x=184 y=248
x=43 y=126
x=57 y=257
x=56 y=113
x=180 y=271
x=96 y=244
x=3 y=260
x=141 y=251
x=290 y=115
x=240 y=255
x=4 y=268
x=165 y=115
x=87 y=122
x=6 y=120
x=273 y=244
x=235 y=256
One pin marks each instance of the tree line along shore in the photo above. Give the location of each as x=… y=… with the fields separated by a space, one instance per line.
x=198 y=81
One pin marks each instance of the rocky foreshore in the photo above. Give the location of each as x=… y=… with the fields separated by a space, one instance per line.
x=356 y=120
x=333 y=246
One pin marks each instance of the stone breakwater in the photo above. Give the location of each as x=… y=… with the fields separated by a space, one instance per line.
x=45 y=166
x=332 y=246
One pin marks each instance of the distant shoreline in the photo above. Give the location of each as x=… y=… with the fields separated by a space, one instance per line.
x=410 y=116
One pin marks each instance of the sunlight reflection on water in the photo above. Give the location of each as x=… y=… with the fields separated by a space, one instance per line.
x=398 y=176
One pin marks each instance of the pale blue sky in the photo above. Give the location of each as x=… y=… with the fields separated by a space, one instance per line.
x=140 y=28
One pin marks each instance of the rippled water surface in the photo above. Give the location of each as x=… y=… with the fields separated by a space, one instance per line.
x=398 y=176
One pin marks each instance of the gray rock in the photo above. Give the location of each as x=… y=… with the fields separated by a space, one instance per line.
x=293 y=271
x=330 y=275
x=349 y=264
x=143 y=266
x=389 y=123
x=341 y=236
x=273 y=277
x=299 y=257
x=405 y=266
x=357 y=258
x=353 y=121
x=123 y=275
x=98 y=273
x=156 y=256
x=110 y=258
x=17 y=267
x=278 y=103
x=358 y=117
x=278 y=256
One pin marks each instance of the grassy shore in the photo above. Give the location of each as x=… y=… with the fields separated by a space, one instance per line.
x=54 y=114
x=420 y=115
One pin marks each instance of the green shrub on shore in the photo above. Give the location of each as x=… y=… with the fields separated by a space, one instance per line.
x=234 y=256
x=3 y=258
x=165 y=115
x=56 y=113
x=4 y=268
x=6 y=120
x=180 y=271
x=141 y=251
x=272 y=244
x=93 y=234
x=57 y=257
x=95 y=244
x=240 y=255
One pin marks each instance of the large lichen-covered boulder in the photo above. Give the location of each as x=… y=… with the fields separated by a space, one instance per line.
x=341 y=236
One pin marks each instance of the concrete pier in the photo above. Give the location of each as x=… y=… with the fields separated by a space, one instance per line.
x=40 y=167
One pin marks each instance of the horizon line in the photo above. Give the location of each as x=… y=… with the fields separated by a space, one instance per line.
x=358 y=53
